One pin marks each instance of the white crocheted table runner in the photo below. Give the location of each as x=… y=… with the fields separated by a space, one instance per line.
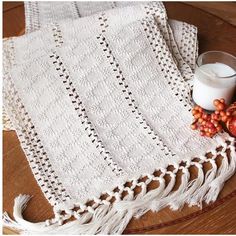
x=39 y=14
x=99 y=102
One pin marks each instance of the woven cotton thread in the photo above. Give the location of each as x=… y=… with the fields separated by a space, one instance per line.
x=38 y=14
x=70 y=74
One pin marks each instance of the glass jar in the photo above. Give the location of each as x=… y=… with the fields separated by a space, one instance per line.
x=215 y=78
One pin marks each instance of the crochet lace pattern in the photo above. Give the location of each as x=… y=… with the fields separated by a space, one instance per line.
x=39 y=14
x=102 y=111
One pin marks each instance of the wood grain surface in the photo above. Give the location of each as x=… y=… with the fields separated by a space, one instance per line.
x=224 y=10
x=215 y=33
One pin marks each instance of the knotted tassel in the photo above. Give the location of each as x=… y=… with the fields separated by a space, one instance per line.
x=112 y=218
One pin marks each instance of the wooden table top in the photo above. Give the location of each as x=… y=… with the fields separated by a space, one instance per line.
x=219 y=217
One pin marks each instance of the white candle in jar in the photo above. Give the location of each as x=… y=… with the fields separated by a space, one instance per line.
x=213 y=81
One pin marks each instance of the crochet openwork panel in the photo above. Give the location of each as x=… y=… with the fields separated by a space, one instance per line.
x=73 y=125
x=186 y=37
x=103 y=111
x=28 y=136
x=160 y=50
x=119 y=88
x=38 y=14
x=154 y=9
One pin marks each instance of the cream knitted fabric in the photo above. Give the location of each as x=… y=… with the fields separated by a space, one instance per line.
x=98 y=102
x=38 y=14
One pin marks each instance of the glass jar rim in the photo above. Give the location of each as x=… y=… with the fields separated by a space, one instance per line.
x=222 y=52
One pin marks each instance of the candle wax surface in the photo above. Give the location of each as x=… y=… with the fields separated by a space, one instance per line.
x=213 y=74
x=218 y=69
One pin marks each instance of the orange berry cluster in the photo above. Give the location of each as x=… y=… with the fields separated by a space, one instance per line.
x=210 y=124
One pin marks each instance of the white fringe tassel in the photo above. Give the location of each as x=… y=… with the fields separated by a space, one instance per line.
x=113 y=218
